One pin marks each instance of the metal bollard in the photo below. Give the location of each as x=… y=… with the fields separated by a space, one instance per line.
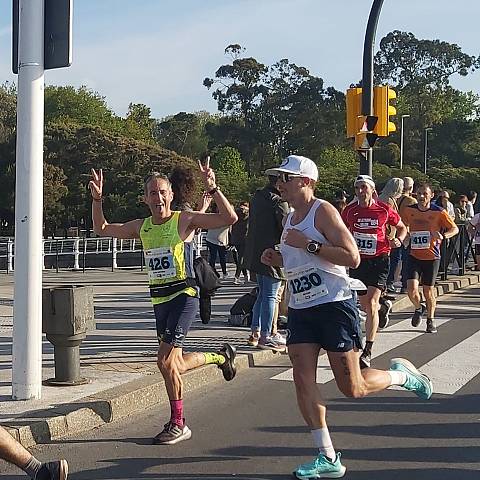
x=67 y=317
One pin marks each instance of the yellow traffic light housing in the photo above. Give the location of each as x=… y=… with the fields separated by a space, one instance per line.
x=383 y=110
x=354 y=110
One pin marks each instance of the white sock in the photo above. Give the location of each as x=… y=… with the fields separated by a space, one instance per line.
x=397 y=377
x=322 y=440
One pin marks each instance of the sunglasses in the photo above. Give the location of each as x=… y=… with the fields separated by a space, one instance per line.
x=286 y=177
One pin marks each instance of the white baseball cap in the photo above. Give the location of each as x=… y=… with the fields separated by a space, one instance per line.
x=296 y=165
x=364 y=179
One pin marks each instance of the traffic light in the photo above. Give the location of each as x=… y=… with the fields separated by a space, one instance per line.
x=354 y=110
x=383 y=110
x=365 y=138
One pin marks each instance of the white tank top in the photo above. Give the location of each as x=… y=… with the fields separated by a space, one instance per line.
x=312 y=280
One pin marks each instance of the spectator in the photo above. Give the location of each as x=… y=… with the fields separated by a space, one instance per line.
x=339 y=204
x=217 y=241
x=443 y=200
x=461 y=213
x=267 y=211
x=406 y=200
x=238 y=236
x=472 y=198
x=474 y=231
x=390 y=194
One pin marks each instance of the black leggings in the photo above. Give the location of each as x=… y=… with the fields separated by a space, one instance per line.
x=238 y=254
x=222 y=254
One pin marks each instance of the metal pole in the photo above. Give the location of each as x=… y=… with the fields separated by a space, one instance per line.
x=425 y=150
x=367 y=78
x=27 y=325
x=401 y=141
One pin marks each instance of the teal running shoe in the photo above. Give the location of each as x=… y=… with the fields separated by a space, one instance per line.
x=416 y=382
x=321 y=467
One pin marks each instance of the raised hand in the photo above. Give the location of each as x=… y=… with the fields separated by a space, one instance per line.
x=206 y=201
x=96 y=184
x=271 y=258
x=295 y=238
x=208 y=175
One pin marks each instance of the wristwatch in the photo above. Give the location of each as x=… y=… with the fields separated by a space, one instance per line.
x=313 y=247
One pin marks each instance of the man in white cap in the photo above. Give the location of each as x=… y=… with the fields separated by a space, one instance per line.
x=315 y=248
x=367 y=219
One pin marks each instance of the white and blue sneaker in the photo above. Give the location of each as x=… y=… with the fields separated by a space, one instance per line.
x=416 y=382
x=321 y=467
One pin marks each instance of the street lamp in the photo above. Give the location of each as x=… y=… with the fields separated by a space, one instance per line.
x=401 y=141
x=426 y=130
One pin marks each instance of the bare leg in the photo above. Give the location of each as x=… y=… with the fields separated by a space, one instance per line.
x=304 y=358
x=370 y=304
x=352 y=381
x=429 y=294
x=11 y=451
x=413 y=293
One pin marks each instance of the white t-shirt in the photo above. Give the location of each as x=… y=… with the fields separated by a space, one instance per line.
x=475 y=221
x=218 y=236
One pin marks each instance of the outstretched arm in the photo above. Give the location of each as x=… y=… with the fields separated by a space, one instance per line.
x=226 y=214
x=100 y=225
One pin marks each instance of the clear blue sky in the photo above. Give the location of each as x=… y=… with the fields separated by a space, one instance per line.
x=158 y=52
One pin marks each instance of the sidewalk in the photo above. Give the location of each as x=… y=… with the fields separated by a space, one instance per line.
x=119 y=358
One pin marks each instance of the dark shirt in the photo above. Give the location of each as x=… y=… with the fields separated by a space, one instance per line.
x=267 y=211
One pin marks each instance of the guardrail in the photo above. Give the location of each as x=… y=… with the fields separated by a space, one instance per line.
x=82 y=252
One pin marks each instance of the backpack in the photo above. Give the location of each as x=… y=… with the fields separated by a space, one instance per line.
x=205 y=277
x=242 y=309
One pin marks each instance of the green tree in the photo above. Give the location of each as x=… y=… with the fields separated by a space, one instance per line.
x=420 y=71
x=184 y=133
x=231 y=172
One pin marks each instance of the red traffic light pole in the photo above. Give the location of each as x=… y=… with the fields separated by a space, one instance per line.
x=367 y=79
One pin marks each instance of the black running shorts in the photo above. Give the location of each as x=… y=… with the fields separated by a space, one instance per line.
x=174 y=318
x=334 y=326
x=424 y=270
x=373 y=272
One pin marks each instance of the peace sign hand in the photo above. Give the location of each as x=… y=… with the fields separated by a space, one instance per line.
x=96 y=184
x=208 y=175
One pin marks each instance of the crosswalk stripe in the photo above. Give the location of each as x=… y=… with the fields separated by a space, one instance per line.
x=455 y=367
x=388 y=339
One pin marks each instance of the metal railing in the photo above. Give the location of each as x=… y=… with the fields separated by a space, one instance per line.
x=75 y=253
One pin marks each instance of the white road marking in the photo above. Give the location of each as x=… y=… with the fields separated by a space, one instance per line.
x=454 y=368
x=387 y=339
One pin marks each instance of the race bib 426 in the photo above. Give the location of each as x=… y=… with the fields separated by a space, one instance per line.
x=160 y=263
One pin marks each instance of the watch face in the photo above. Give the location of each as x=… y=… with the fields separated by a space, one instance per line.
x=312 y=247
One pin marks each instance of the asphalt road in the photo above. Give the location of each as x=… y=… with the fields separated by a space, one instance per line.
x=250 y=429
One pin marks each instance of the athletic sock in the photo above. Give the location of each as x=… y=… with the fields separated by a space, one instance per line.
x=397 y=377
x=368 y=347
x=32 y=467
x=216 y=358
x=322 y=440
x=176 y=408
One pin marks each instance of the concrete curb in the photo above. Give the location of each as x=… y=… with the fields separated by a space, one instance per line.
x=442 y=288
x=119 y=402
x=133 y=397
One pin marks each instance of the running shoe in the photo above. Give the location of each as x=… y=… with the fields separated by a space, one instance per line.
x=57 y=470
x=416 y=382
x=253 y=339
x=418 y=315
x=279 y=338
x=321 y=467
x=391 y=288
x=172 y=434
x=236 y=280
x=228 y=367
x=269 y=343
x=431 y=327
x=365 y=360
x=384 y=312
